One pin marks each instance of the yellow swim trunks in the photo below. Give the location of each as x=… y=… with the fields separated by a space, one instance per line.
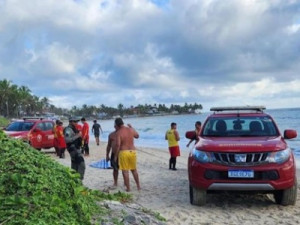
x=127 y=159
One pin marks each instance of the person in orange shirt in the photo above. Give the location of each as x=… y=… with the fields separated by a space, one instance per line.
x=61 y=144
x=77 y=125
x=85 y=136
x=55 y=144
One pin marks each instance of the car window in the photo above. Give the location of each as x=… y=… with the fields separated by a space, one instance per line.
x=20 y=126
x=239 y=126
x=48 y=126
x=40 y=126
x=45 y=126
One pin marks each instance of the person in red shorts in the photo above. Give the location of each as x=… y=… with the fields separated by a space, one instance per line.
x=85 y=136
x=55 y=141
x=61 y=144
x=172 y=136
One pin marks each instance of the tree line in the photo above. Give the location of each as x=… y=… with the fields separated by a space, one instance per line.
x=18 y=101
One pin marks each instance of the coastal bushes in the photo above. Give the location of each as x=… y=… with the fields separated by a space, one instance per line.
x=3 y=122
x=35 y=189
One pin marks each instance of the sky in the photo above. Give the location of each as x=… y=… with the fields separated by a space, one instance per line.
x=210 y=52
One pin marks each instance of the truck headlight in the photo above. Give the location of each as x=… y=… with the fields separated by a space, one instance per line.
x=280 y=156
x=201 y=156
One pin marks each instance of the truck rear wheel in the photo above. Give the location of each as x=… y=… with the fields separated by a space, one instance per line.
x=287 y=196
x=197 y=196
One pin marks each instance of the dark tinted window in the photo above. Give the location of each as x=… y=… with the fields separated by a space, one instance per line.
x=48 y=126
x=239 y=126
x=20 y=126
x=40 y=126
x=45 y=126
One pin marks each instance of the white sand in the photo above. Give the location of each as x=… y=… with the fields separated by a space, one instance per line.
x=167 y=192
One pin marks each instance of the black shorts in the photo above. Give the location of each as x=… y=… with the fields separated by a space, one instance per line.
x=96 y=135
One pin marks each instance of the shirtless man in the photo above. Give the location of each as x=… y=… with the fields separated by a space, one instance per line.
x=126 y=152
x=197 y=133
x=111 y=145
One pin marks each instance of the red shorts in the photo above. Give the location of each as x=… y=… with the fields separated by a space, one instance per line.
x=174 y=151
x=61 y=143
x=55 y=143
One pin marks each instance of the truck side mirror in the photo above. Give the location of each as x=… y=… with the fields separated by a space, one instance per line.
x=289 y=134
x=190 y=135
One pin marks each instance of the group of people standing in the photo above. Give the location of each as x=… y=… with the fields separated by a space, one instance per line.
x=120 y=150
x=75 y=138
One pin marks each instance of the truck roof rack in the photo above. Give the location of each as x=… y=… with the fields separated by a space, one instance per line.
x=33 y=118
x=238 y=108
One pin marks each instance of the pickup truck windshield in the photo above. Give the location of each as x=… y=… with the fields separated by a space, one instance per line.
x=240 y=127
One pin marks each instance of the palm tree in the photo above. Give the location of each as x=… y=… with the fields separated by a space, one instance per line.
x=73 y=110
x=5 y=86
x=12 y=103
x=24 y=97
x=120 y=108
x=45 y=103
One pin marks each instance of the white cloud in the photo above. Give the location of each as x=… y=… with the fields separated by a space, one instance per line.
x=260 y=89
x=62 y=58
x=62 y=101
x=135 y=52
x=292 y=29
x=100 y=75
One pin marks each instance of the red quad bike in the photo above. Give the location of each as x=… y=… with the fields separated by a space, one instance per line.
x=241 y=149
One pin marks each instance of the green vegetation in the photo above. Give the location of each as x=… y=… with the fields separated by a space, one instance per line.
x=155 y=214
x=35 y=189
x=18 y=101
x=3 y=122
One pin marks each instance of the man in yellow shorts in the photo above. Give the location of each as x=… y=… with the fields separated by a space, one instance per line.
x=126 y=152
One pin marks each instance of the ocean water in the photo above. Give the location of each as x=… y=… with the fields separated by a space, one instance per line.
x=152 y=129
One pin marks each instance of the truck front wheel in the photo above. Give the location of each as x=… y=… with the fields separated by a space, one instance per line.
x=287 y=196
x=197 y=196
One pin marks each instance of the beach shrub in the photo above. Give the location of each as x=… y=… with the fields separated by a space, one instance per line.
x=35 y=189
x=3 y=122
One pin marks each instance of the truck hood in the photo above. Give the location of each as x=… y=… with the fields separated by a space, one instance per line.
x=241 y=144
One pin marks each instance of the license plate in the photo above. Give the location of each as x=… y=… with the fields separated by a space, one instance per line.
x=240 y=173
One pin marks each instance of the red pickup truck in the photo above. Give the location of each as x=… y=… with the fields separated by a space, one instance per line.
x=242 y=149
x=38 y=132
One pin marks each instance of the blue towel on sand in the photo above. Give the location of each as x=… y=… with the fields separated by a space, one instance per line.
x=102 y=164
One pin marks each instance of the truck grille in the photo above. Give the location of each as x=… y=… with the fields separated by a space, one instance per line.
x=238 y=159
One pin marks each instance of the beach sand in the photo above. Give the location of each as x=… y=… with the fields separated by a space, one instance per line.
x=167 y=192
